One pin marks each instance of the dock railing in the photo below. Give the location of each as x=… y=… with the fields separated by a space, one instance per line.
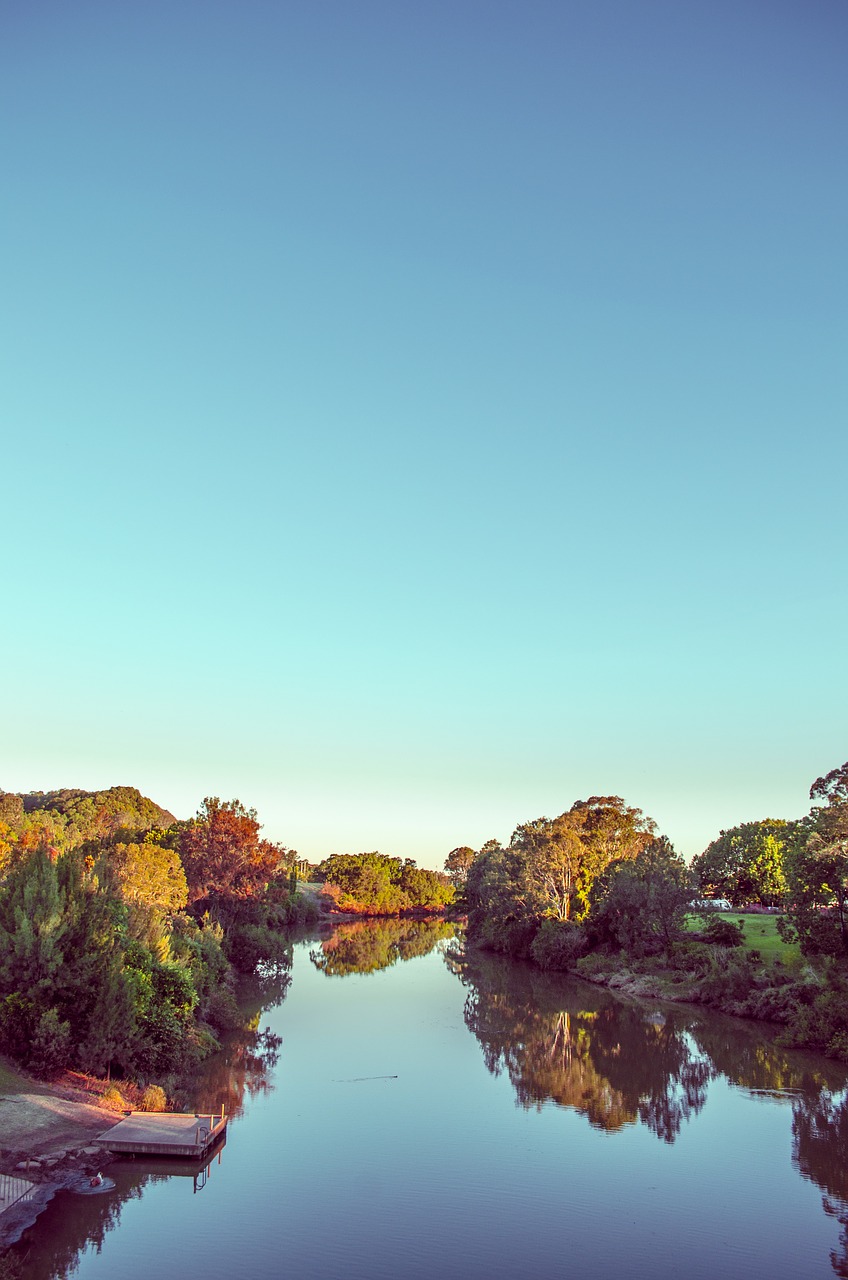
x=13 y=1190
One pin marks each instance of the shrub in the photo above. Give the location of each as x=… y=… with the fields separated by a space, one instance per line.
x=822 y=1023
x=598 y=965
x=730 y=977
x=113 y=1099
x=222 y=1011
x=153 y=1099
x=723 y=933
x=558 y=944
x=774 y=1004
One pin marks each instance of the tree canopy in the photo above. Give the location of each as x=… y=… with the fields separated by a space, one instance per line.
x=745 y=864
x=818 y=868
x=548 y=869
x=224 y=856
x=376 y=884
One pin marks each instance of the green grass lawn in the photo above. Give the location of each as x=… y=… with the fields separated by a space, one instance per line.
x=11 y=1082
x=760 y=933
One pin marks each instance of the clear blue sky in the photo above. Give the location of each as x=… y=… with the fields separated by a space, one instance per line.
x=419 y=417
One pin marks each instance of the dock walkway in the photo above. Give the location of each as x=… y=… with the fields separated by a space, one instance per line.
x=164 y=1133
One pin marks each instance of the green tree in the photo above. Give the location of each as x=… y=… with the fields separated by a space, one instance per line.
x=365 y=882
x=33 y=927
x=566 y=854
x=457 y=865
x=61 y=949
x=425 y=890
x=150 y=879
x=504 y=904
x=641 y=904
x=745 y=863
x=818 y=869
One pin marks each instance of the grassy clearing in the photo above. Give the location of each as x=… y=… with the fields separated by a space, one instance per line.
x=760 y=933
x=11 y=1082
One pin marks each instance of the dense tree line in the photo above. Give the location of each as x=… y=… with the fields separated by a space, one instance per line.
x=379 y=885
x=121 y=928
x=598 y=881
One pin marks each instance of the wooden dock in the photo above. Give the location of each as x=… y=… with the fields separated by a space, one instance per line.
x=164 y=1133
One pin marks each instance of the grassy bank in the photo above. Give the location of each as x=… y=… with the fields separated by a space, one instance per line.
x=11 y=1081
x=760 y=935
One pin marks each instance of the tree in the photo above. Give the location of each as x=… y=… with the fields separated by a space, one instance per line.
x=745 y=863
x=33 y=925
x=566 y=854
x=457 y=865
x=61 y=950
x=818 y=869
x=150 y=879
x=425 y=890
x=504 y=906
x=641 y=904
x=373 y=883
x=223 y=855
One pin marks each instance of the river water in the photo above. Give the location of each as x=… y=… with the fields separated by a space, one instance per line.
x=433 y=1113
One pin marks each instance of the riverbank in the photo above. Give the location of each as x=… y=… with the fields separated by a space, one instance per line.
x=43 y=1122
x=726 y=980
x=46 y=1133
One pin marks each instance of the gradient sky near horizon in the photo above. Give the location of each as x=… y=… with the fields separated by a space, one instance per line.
x=418 y=418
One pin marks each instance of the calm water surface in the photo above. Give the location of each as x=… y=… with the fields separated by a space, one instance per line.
x=433 y=1114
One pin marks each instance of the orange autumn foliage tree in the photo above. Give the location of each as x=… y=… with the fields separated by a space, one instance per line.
x=224 y=856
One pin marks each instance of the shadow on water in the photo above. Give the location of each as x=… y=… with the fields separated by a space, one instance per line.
x=70 y=1224
x=820 y=1153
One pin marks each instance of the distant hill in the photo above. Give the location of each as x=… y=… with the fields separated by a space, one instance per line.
x=77 y=815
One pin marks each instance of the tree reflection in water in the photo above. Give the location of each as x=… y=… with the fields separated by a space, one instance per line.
x=562 y=1041
x=248 y=1055
x=816 y=1088
x=580 y=1047
x=820 y=1152
x=366 y=946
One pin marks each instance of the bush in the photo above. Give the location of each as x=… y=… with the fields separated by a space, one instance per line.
x=113 y=1099
x=823 y=1022
x=222 y=1011
x=730 y=977
x=774 y=1004
x=558 y=944
x=153 y=1099
x=723 y=933
x=598 y=965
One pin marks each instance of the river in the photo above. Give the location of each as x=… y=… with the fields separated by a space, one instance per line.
x=428 y=1112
